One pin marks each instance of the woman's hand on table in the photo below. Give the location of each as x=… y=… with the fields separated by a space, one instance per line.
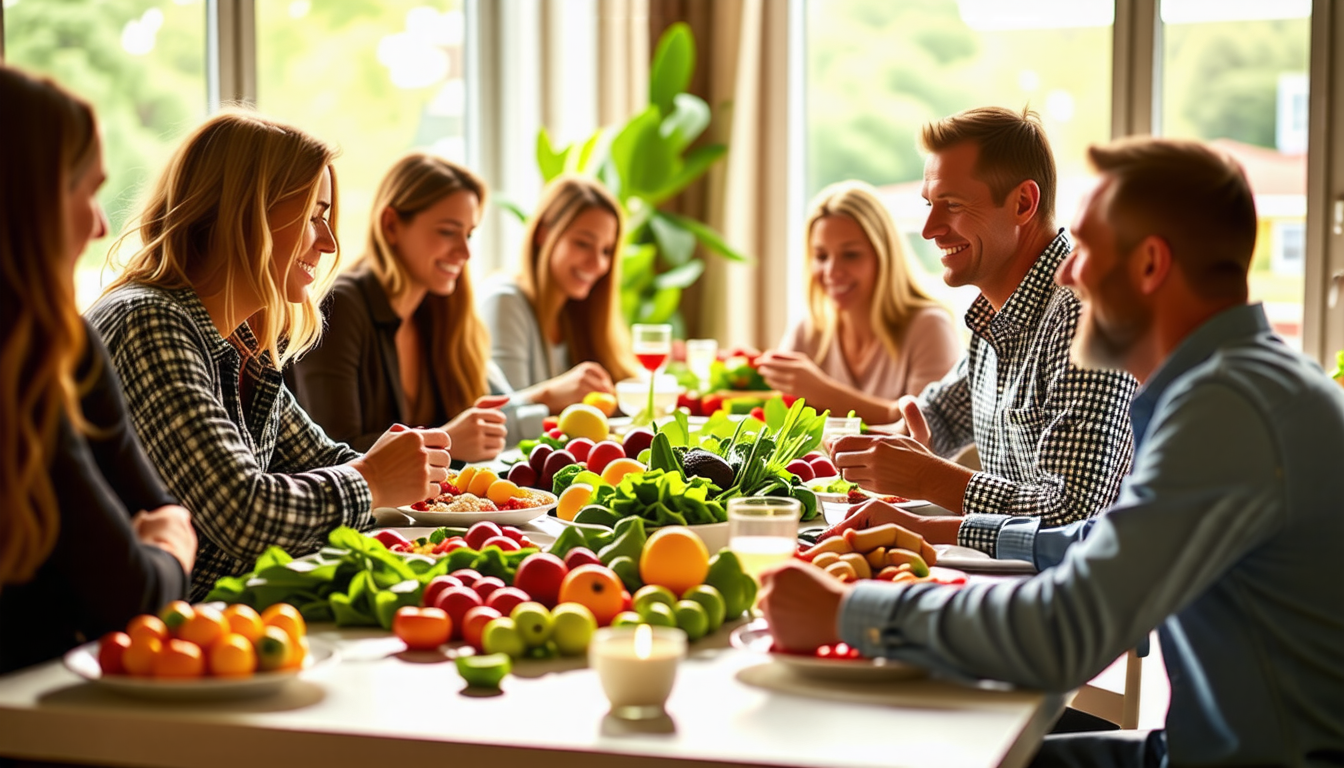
x=934 y=530
x=405 y=465
x=168 y=528
x=571 y=386
x=479 y=433
x=801 y=603
x=794 y=373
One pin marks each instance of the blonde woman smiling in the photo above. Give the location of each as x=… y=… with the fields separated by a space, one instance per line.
x=220 y=296
x=564 y=308
x=404 y=342
x=871 y=334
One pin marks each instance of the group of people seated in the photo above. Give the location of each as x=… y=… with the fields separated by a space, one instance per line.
x=236 y=388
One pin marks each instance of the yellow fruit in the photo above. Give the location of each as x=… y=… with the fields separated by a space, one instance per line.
x=674 y=557
x=204 y=628
x=273 y=649
x=286 y=617
x=233 y=656
x=572 y=500
x=619 y=469
x=480 y=482
x=175 y=614
x=298 y=653
x=582 y=420
x=602 y=401
x=501 y=491
x=139 y=656
x=463 y=479
x=244 y=620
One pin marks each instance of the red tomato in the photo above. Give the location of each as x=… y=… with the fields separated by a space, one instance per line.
x=549 y=423
x=758 y=413
x=422 y=629
x=110 y=651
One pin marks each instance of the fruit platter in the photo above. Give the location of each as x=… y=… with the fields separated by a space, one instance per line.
x=476 y=494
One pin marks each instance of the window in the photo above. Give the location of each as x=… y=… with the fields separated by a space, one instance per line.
x=1235 y=75
x=878 y=70
x=378 y=79
x=141 y=63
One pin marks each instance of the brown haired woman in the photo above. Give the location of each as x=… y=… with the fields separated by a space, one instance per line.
x=71 y=470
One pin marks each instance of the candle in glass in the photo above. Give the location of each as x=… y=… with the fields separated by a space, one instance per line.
x=637 y=667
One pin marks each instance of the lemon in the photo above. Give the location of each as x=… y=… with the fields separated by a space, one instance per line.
x=582 y=420
x=602 y=401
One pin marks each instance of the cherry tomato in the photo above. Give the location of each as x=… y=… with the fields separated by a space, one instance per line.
x=422 y=629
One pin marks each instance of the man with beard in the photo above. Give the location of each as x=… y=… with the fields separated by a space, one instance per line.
x=1054 y=439
x=1226 y=533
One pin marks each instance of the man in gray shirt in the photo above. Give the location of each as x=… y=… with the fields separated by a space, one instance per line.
x=1226 y=533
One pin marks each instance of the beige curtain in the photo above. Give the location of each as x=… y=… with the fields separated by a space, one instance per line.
x=742 y=72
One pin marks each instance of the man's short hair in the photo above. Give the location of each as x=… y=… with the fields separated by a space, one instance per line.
x=1194 y=197
x=1013 y=149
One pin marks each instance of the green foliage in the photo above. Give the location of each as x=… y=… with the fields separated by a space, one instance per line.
x=646 y=162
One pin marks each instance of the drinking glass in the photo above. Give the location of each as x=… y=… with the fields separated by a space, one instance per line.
x=700 y=356
x=837 y=427
x=652 y=345
x=763 y=531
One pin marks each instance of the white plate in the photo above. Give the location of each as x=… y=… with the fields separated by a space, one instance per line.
x=465 y=519
x=83 y=661
x=756 y=637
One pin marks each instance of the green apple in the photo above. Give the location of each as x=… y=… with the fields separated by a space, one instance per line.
x=547 y=650
x=485 y=670
x=572 y=628
x=533 y=622
x=626 y=619
x=659 y=614
x=652 y=593
x=501 y=636
x=692 y=619
x=711 y=600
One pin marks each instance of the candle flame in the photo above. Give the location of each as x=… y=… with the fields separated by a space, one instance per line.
x=643 y=641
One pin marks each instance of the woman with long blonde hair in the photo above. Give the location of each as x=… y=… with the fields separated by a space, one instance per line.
x=222 y=292
x=563 y=309
x=872 y=334
x=71 y=470
x=403 y=340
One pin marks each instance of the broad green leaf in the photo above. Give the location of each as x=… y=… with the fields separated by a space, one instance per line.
x=637 y=266
x=643 y=158
x=694 y=166
x=662 y=306
x=673 y=64
x=590 y=155
x=687 y=120
x=550 y=162
x=680 y=277
x=273 y=556
x=675 y=241
x=711 y=239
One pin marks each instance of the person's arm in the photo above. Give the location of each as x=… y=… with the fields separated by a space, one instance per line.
x=946 y=405
x=513 y=334
x=205 y=459
x=522 y=416
x=1205 y=492
x=327 y=378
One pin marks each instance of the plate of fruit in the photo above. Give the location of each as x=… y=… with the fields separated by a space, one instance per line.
x=835 y=661
x=477 y=494
x=202 y=652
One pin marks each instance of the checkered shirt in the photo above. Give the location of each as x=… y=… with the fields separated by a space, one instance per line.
x=251 y=478
x=1054 y=440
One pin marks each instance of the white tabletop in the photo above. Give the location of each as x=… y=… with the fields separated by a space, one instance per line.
x=379 y=706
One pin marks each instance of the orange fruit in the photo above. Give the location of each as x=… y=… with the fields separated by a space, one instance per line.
x=602 y=401
x=273 y=649
x=286 y=617
x=298 y=654
x=175 y=614
x=233 y=656
x=147 y=626
x=674 y=557
x=595 y=587
x=481 y=481
x=573 y=499
x=204 y=627
x=112 y=653
x=501 y=491
x=244 y=620
x=138 y=658
x=181 y=660
x=619 y=468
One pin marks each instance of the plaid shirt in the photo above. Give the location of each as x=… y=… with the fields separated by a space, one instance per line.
x=255 y=477
x=1054 y=440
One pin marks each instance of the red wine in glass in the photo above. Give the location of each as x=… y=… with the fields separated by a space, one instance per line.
x=652 y=361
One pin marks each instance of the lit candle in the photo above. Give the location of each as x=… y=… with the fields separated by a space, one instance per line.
x=637 y=666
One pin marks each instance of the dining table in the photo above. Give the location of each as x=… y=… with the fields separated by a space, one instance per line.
x=368 y=700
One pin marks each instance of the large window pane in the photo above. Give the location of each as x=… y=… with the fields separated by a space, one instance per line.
x=878 y=70
x=377 y=78
x=141 y=63
x=1235 y=74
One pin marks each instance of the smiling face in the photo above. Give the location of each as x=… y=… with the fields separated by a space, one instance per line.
x=978 y=239
x=300 y=236
x=433 y=244
x=844 y=263
x=84 y=219
x=584 y=252
x=1115 y=316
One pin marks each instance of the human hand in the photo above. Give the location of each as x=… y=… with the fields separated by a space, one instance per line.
x=793 y=373
x=570 y=387
x=478 y=433
x=887 y=465
x=801 y=604
x=870 y=514
x=168 y=528
x=405 y=465
x=912 y=421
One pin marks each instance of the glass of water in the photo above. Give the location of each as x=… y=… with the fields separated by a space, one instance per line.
x=700 y=356
x=763 y=531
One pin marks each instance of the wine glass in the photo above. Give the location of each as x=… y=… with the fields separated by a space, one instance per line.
x=652 y=345
x=763 y=531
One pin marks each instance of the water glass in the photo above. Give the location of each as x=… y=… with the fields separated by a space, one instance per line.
x=700 y=356
x=763 y=531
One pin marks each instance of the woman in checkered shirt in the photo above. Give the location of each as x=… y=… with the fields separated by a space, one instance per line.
x=222 y=293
